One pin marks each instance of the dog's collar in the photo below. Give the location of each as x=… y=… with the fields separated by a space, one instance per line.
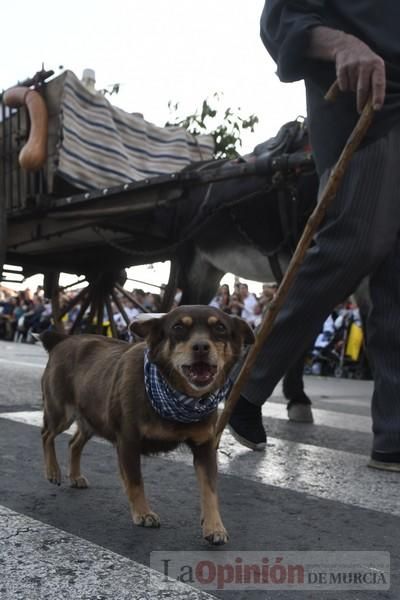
x=172 y=405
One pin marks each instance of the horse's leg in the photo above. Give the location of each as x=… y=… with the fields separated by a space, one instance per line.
x=197 y=277
x=299 y=404
x=170 y=290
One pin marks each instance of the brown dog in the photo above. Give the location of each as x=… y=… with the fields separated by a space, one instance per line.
x=101 y=384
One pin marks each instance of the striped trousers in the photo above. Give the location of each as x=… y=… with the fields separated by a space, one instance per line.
x=359 y=237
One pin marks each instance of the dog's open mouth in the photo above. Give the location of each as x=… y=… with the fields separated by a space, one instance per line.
x=200 y=374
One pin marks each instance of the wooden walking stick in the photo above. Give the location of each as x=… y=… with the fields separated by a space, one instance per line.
x=313 y=222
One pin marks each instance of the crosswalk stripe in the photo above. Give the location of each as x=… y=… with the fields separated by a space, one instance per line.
x=319 y=472
x=328 y=418
x=36 y=568
x=22 y=363
x=277 y=411
x=356 y=403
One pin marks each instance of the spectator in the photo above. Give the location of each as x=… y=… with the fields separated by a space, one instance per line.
x=31 y=320
x=235 y=306
x=222 y=299
x=268 y=292
x=131 y=308
x=249 y=302
x=7 y=319
x=258 y=314
x=150 y=302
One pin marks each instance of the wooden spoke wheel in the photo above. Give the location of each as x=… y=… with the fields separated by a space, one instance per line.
x=91 y=310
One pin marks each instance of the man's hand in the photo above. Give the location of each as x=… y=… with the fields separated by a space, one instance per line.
x=358 y=68
x=362 y=71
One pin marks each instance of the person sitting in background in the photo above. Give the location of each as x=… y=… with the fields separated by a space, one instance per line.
x=120 y=323
x=7 y=319
x=152 y=302
x=130 y=308
x=235 y=306
x=258 y=314
x=268 y=292
x=222 y=299
x=225 y=297
x=140 y=297
x=32 y=318
x=249 y=302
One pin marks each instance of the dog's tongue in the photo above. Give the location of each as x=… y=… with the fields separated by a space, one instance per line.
x=201 y=373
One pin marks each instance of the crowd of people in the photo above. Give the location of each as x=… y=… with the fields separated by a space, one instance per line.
x=25 y=313
x=243 y=303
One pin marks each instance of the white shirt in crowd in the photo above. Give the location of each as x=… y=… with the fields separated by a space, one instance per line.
x=250 y=302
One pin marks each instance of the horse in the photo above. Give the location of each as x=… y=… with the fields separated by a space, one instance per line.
x=249 y=227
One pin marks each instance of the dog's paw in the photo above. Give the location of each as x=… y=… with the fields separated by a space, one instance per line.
x=54 y=475
x=217 y=535
x=79 y=482
x=149 y=519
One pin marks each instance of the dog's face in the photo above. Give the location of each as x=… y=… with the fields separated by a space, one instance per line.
x=194 y=347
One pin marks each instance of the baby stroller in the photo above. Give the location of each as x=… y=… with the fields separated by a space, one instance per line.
x=352 y=361
x=339 y=349
x=325 y=354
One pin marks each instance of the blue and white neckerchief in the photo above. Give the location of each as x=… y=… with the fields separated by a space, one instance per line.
x=174 y=406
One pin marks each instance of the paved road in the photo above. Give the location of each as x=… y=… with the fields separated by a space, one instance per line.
x=311 y=490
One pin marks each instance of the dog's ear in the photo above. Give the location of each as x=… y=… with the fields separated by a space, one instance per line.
x=145 y=328
x=245 y=330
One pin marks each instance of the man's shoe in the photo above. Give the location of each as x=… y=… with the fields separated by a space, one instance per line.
x=386 y=461
x=246 y=425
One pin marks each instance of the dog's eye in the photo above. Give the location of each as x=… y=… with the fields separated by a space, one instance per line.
x=220 y=328
x=178 y=328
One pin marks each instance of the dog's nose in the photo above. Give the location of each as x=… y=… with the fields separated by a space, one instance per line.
x=201 y=347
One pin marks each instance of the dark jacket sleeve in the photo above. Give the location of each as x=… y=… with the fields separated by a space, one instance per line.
x=285 y=27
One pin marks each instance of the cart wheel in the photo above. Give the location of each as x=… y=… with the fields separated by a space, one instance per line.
x=338 y=372
x=91 y=309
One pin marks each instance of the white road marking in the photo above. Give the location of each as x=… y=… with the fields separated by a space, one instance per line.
x=36 y=566
x=319 y=472
x=345 y=401
x=29 y=417
x=328 y=418
x=22 y=363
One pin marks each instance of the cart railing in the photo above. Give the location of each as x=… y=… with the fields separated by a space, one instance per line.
x=19 y=188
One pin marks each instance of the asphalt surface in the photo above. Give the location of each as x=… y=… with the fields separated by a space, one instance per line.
x=310 y=491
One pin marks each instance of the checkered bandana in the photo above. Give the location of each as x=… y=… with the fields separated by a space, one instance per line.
x=172 y=405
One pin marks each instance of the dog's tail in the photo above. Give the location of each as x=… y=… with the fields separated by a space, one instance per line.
x=50 y=339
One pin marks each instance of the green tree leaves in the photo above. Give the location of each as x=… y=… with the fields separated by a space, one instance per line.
x=225 y=125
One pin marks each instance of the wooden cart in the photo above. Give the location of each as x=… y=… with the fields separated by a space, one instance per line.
x=49 y=224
